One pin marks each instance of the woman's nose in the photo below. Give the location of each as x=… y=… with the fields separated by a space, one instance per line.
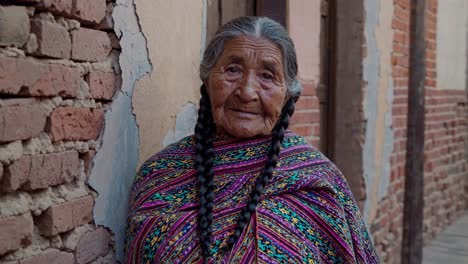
x=248 y=88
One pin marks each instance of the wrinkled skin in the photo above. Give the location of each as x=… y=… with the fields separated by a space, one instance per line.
x=247 y=88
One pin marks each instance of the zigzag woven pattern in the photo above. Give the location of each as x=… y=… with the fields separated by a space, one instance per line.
x=306 y=215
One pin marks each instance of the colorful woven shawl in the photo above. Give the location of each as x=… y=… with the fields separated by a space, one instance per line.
x=306 y=215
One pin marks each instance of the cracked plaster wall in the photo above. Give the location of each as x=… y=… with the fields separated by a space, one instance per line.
x=378 y=97
x=116 y=161
x=164 y=100
x=161 y=43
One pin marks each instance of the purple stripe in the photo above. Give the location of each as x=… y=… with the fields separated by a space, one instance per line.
x=175 y=228
x=323 y=224
x=182 y=178
x=249 y=254
x=287 y=247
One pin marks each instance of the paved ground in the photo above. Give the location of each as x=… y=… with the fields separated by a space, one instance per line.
x=451 y=246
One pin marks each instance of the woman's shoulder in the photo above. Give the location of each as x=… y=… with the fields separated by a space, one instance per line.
x=180 y=150
x=305 y=165
x=296 y=149
x=175 y=157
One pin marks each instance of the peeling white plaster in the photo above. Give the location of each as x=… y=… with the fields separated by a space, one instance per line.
x=378 y=145
x=185 y=123
x=115 y=162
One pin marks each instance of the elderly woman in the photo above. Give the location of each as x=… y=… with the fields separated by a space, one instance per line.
x=243 y=189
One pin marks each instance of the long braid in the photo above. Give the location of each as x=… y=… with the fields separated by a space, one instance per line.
x=204 y=160
x=262 y=181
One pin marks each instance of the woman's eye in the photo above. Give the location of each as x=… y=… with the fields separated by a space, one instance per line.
x=232 y=69
x=267 y=76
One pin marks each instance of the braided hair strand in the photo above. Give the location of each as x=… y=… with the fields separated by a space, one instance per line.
x=204 y=160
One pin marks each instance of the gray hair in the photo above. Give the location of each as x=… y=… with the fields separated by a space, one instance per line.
x=261 y=27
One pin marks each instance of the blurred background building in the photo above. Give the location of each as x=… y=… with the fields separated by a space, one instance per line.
x=90 y=89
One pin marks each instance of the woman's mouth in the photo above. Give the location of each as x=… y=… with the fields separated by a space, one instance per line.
x=245 y=113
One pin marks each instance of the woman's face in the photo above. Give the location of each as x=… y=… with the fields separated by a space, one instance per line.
x=247 y=88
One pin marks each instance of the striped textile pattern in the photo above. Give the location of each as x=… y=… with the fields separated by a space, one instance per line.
x=306 y=214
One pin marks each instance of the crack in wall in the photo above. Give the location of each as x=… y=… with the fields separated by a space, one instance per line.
x=116 y=160
x=174 y=33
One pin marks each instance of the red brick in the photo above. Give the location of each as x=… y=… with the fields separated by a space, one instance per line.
x=58 y=7
x=431 y=45
x=15 y=232
x=101 y=84
x=400 y=71
x=400 y=48
x=70 y=165
x=90 y=45
x=41 y=80
x=400 y=37
x=403 y=3
x=66 y=216
x=304 y=130
x=430 y=54
x=82 y=210
x=21 y=121
x=401 y=83
x=401 y=13
x=399 y=25
x=16 y=174
x=92 y=245
x=53 y=40
x=308 y=88
x=108 y=22
x=57 y=219
x=52 y=256
x=89 y=11
x=306 y=117
x=40 y=171
x=307 y=102
x=70 y=123
x=430 y=83
x=52 y=169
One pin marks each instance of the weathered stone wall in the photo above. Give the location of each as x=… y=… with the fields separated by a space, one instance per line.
x=58 y=73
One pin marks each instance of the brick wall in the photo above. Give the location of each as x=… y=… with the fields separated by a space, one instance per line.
x=446 y=140
x=386 y=229
x=446 y=163
x=306 y=118
x=58 y=73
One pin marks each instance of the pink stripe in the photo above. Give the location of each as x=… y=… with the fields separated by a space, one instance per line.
x=324 y=225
